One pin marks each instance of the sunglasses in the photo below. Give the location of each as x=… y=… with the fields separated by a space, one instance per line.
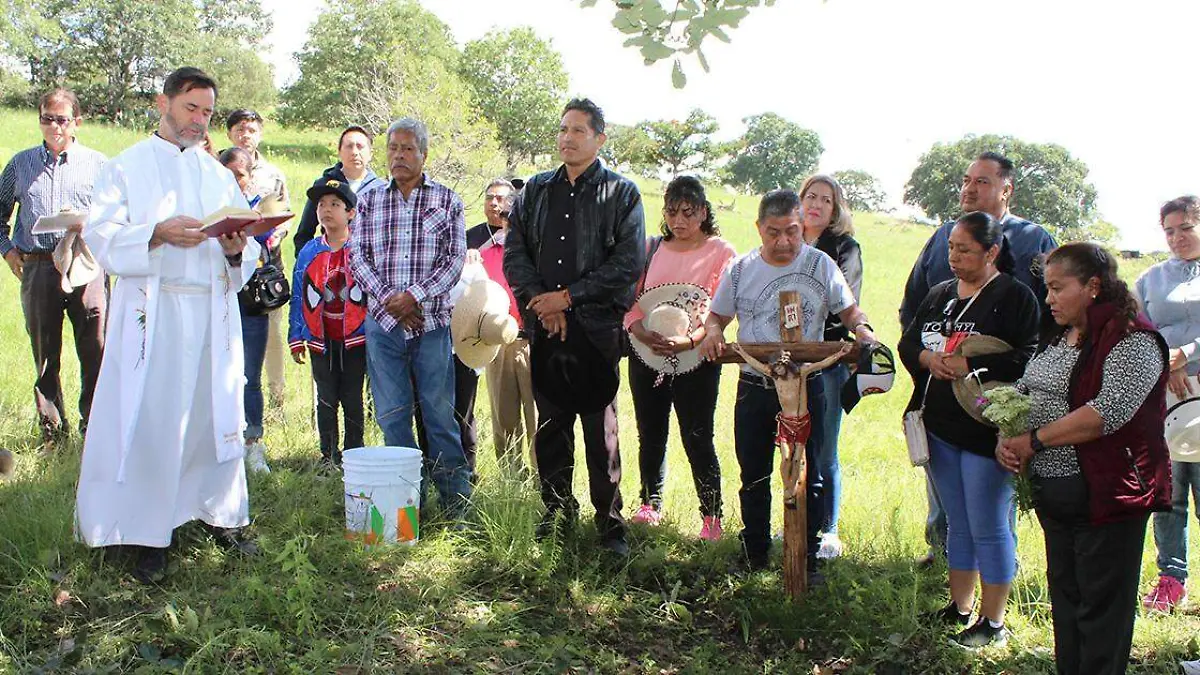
x=61 y=121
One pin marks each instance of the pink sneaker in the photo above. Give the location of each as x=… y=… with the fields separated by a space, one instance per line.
x=648 y=515
x=711 y=530
x=1168 y=594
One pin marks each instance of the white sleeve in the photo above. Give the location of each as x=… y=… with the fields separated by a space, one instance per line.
x=841 y=296
x=120 y=246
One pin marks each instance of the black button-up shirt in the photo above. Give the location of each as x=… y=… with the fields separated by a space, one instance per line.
x=560 y=237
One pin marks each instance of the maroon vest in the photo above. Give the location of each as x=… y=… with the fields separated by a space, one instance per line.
x=1128 y=472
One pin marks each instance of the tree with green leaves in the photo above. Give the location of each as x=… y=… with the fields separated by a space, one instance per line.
x=861 y=189
x=682 y=145
x=629 y=149
x=773 y=153
x=519 y=83
x=371 y=63
x=679 y=29
x=1050 y=186
x=114 y=53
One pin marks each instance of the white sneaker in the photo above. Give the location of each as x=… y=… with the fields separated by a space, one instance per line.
x=831 y=546
x=256 y=457
x=1190 y=667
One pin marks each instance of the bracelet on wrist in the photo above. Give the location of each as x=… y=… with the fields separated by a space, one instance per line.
x=1035 y=443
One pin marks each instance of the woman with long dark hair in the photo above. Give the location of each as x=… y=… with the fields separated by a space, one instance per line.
x=976 y=491
x=690 y=251
x=1096 y=454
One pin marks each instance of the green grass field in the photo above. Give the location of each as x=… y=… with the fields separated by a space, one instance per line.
x=496 y=601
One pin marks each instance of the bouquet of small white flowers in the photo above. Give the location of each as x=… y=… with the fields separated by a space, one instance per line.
x=1008 y=409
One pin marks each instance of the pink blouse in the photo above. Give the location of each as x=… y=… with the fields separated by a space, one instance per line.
x=702 y=266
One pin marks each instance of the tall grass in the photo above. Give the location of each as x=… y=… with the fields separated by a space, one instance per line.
x=495 y=600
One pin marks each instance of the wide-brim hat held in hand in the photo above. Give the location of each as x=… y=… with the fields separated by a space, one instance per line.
x=572 y=374
x=671 y=310
x=480 y=323
x=968 y=390
x=1183 y=424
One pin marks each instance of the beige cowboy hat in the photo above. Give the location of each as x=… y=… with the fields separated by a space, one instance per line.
x=968 y=389
x=480 y=323
x=75 y=262
x=671 y=310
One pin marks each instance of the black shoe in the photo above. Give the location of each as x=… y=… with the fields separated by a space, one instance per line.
x=616 y=545
x=233 y=539
x=151 y=565
x=555 y=523
x=816 y=578
x=948 y=616
x=982 y=634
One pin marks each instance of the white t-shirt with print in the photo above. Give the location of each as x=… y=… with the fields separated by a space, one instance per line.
x=749 y=291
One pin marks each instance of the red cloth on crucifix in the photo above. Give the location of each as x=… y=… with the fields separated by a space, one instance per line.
x=792 y=429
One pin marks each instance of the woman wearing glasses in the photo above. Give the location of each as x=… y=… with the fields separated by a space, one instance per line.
x=690 y=251
x=982 y=299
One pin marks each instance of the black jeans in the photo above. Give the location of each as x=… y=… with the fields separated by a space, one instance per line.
x=1092 y=571
x=694 y=396
x=554 y=446
x=466 y=385
x=754 y=429
x=339 y=374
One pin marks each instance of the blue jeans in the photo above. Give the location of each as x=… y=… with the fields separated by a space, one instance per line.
x=396 y=365
x=254 y=343
x=1171 y=527
x=827 y=455
x=977 y=496
x=754 y=428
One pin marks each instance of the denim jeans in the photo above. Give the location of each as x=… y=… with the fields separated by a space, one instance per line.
x=254 y=342
x=1171 y=527
x=977 y=495
x=396 y=365
x=827 y=455
x=754 y=428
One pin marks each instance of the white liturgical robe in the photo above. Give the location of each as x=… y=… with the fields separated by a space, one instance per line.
x=164 y=442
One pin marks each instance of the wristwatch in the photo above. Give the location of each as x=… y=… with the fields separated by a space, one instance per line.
x=1035 y=442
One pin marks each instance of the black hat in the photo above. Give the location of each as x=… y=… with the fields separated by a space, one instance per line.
x=875 y=373
x=332 y=186
x=572 y=374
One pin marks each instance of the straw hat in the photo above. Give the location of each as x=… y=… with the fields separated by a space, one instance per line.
x=1183 y=425
x=968 y=389
x=480 y=323
x=671 y=310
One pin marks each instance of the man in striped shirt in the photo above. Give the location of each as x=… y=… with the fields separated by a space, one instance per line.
x=42 y=181
x=407 y=248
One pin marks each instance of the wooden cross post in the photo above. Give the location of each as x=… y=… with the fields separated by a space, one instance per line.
x=795 y=515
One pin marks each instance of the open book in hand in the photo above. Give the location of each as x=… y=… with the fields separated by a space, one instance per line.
x=231 y=219
x=59 y=222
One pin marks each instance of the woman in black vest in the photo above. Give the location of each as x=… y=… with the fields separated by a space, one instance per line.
x=1096 y=454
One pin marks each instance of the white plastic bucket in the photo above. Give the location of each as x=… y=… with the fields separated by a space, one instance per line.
x=383 y=494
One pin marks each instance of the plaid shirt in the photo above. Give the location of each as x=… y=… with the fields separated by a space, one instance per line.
x=417 y=245
x=44 y=185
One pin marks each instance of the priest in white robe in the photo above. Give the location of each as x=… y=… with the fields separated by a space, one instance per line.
x=164 y=442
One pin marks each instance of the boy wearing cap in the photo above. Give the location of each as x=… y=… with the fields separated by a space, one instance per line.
x=327 y=315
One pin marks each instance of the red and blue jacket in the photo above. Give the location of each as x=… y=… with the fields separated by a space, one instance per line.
x=316 y=292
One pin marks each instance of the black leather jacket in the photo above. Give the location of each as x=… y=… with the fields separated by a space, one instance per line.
x=612 y=245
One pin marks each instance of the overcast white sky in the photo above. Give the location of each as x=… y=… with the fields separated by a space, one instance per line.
x=882 y=80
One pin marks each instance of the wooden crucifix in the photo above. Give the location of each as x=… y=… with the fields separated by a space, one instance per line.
x=789 y=371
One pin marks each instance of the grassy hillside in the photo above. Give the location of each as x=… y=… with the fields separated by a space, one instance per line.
x=497 y=601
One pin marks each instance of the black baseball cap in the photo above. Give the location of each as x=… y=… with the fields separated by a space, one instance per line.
x=332 y=186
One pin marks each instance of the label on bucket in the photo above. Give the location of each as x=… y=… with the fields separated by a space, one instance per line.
x=408 y=523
